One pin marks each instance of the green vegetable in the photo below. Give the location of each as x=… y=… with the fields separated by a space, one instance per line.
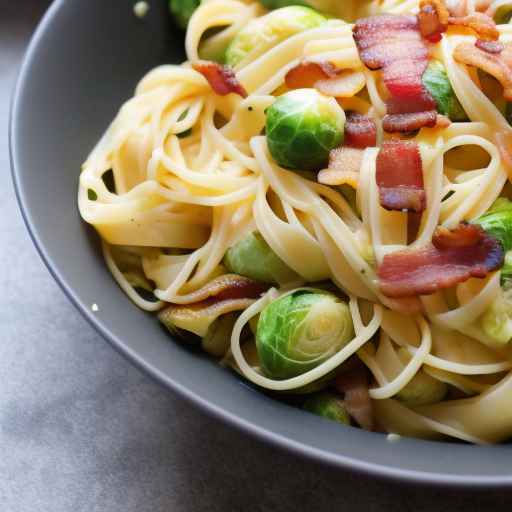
x=91 y=194
x=422 y=389
x=506 y=271
x=252 y=257
x=497 y=221
x=262 y=33
x=503 y=14
x=328 y=405
x=182 y=10
x=345 y=9
x=300 y=331
x=438 y=85
x=302 y=127
x=496 y=322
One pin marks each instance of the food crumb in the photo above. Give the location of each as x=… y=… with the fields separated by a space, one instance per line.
x=393 y=438
x=95 y=307
x=140 y=9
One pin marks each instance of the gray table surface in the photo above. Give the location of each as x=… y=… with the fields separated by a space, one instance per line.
x=83 y=430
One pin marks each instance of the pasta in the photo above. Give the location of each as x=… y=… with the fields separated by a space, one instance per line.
x=188 y=196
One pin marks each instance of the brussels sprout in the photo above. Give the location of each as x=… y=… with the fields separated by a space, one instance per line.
x=252 y=257
x=302 y=127
x=437 y=83
x=503 y=14
x=422 y=389
x=496 y=322
x=182 y=10
x=497 y=221
x=328 y=405
x=299 y=331
x=506 y=271
x=262 y=33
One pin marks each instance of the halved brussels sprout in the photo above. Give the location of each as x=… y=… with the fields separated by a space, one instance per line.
x=437 y=83
x=497 y=221
x=182 y=10
x=497 y=320
x=302 y=127
x=252 y=257
x=301 y=330
x=422 y=389
x=328 y=405
x=262 y=33
x=503 y=14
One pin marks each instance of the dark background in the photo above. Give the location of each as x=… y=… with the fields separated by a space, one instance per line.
x=83 y=430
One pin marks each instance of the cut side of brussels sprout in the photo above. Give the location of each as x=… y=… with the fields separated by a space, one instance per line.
x=301 y=330
x=252 y=257
x=496 y=322
x=423 y=389
x=182 y=10
x=265 y=32
x=437 y=83
x=328 y=405
x=302 y=127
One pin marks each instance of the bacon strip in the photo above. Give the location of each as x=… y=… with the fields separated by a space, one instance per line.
x=344 y=167
x=409 y=122
x=394 y=44
x=489 y=46
x=222 y=79
x=433 y=19
x=452 y=258
x=360 y=131
x=400 y=176
x=345 y=162
x=307 y=73
x=499 y=65
x=324 y=77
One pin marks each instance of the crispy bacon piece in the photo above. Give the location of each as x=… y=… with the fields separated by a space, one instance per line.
x=324 y=77
x=222 y=79
x=344 y=167
x=360 y=131
x=433 y=19
x=452 y=258
x=489 y=46
x=307 y=73
x=409 y=122
x=482 y=24
x=400 y=176
x=353 y=384
x=498 y=65
x=394 y=44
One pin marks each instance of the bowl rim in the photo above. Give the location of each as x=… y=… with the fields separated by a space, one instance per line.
x=398 y=475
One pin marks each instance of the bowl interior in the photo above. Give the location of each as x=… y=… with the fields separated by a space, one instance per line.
x=83 y=62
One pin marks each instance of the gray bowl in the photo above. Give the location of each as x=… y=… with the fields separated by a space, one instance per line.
x=83 y=62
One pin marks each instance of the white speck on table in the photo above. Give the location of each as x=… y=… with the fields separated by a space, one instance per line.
x=95 y=307
x=140 y=9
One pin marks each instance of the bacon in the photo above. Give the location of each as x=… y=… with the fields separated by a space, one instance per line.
x=498 y=65
x=344 y=167
x=353 y=384
x=409 y=122
x=222 y=79
x=324 y=77
x=482 y=24
x=394 y=44
x=452 y=258
x=307 y=73
x=400 y=176
x=360 y=131
x=433 y=19
x=489 y=46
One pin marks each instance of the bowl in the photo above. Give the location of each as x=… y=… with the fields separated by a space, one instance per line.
x=82 y=63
